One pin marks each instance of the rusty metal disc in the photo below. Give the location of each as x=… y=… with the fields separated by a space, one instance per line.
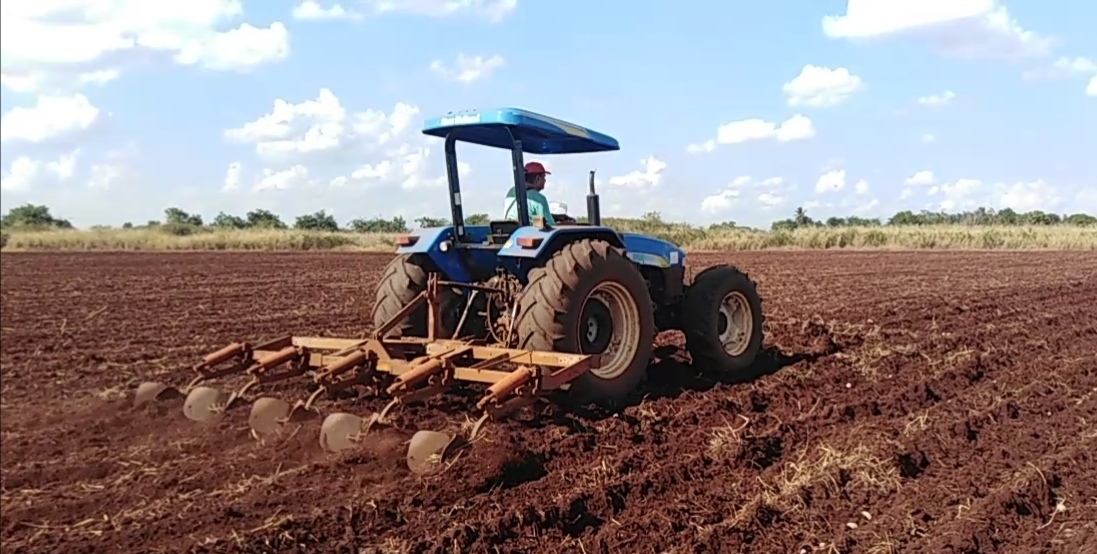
x=150 y=391
x=425 y=450
x=266 y=416
x=205 y=404
x=341 y=431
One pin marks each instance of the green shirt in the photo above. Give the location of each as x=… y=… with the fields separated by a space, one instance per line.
x=538 y=206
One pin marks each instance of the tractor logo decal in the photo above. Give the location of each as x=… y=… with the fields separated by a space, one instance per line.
x=461 y=119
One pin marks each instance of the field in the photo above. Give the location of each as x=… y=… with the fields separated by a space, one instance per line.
x=908 y=402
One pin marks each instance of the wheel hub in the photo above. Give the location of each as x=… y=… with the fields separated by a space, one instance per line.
x=597 y=327
x=602 y=330
x=734 y=323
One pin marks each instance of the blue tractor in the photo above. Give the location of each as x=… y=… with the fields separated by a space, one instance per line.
x=523 y=307
x=577 y=288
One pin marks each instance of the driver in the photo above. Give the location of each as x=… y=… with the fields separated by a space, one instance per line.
x=538 y=204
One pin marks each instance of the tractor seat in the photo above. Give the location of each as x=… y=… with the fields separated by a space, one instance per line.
x=502 y=230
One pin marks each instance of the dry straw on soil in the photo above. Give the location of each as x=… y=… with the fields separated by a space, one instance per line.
x=692 y=238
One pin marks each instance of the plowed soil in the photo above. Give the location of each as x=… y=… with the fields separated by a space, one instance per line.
x=906 y=402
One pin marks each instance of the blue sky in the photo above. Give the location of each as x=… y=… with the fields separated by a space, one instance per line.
x=113 y=111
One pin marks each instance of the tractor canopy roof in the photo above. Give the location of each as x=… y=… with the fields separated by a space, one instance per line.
x=539 y=134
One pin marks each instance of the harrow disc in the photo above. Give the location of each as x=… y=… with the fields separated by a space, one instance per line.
x=267 y=415
x=151 y=391
x=205 y=404
x=428 y=449
x=341 y=431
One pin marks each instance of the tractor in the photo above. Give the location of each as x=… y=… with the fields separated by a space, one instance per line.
x=528 y=308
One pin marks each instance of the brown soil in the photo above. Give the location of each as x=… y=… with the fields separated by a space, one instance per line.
x=907 y=402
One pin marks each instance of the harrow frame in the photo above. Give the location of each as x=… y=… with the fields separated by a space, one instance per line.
x=409 y=369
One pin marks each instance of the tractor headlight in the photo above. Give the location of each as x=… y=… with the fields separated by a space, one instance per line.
x=445 y=246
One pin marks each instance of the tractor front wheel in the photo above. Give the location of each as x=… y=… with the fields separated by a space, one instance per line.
x=723 y=320
x=590 y=299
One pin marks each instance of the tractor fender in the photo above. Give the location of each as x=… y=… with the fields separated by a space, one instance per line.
x=652 y=251
x=428 y=241
x=554 y=238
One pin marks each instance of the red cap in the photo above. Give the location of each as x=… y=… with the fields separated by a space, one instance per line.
x=536 y=167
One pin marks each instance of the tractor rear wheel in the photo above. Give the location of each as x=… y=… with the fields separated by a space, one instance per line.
x=588 y=298
x=403 y=279
x=724 y=321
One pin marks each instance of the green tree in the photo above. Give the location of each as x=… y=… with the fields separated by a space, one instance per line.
x=723 y=226
x=425 y=222
x=319 y=221
x=379 y=225
x=31 y=215
x=477 y=219
x=176 y=216
x=264 y=219
x=800 y=217
x=1080 y=220
x=226 y=221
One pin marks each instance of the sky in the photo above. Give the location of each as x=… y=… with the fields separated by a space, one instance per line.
x=114 y=110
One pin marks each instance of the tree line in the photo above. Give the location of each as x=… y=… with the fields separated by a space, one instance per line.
x=178 y=221
x=977 y=217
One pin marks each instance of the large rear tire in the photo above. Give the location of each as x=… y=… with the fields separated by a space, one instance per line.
x=588 y=298
x=724 y=324
x=404 y=278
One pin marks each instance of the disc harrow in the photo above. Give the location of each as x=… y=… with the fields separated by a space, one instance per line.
x=407 y=369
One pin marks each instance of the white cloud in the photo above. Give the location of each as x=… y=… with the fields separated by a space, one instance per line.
x=104 y=175
x=321 y=125
x=831 y=181
x=58 y=44
x=1062 y=67
x=1025 y=197
x=50 y=117
x=821 y=87
x=1091 y=88
x=490 y=10
x=312 y=10
x=642 y=179
x=770 y=199
x=928 y=138
x=282 y=180
x=722 y=201
x=922 y=178
x=26 y=174
x=232 y=177
x=866 y=207
x=958 y=195
x=468 y=69
x=1076 y=64
x=33 y=81
x=797 y=127
x=937 y=99
x=861 y=187
x=239 y=49
x=967 y=194
x=320 y=146
x=965 y=28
